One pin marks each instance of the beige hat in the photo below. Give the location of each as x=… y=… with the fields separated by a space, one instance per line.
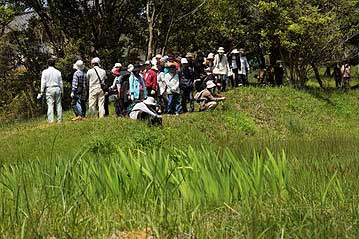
x=235 y=51
x=158 y=56
x=189 y=55
x=210 y=84
x=154 y=67
x=118 y=65
x=150 y=101
x=221 y=50
x=242 y=50
x=79 y=65
x=147 y=63
x=210 y=56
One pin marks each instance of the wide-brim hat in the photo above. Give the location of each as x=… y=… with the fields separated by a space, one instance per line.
x=147 y=63
x=221 y=50
x=242 y=50
x=158 y=56
x=79 y=65
x=235 y=51
x=210 y=84
x=150 y=101
x=118 y=65
x=210 y=56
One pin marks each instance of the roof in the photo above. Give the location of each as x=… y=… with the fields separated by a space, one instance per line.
x=20 y=22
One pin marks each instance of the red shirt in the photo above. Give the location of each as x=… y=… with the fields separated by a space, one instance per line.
x=151 y=79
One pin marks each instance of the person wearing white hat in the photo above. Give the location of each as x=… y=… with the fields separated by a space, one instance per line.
x=243 y=70
x=221 y=68
x=52 y=87
x=79 y=91
x=146 y=110
x=186 y=76
x=96 y=76
x=235 y=64
x=206 y=98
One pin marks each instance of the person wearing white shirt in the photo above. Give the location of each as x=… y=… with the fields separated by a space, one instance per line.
x=95 y=76
x=244 y=68
x=52 y=87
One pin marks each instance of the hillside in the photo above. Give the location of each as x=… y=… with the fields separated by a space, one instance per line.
x=311 y=191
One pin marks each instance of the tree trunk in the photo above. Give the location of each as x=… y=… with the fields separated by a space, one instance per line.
x=317 y=75
x=150 y=42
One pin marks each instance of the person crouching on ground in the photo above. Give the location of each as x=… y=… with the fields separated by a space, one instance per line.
x=79 y=91
x=52 y=87
x=96 y=76
x=173 y=90
x=146 y=110
x=207 y=99
x=137 y=85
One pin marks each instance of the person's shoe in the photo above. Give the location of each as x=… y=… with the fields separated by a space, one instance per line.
x=77 y=118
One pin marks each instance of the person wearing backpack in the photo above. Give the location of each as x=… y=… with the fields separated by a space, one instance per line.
x=96 y=77
x=186 y=85
x=79 y=91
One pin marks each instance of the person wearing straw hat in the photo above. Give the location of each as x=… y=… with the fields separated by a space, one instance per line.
x=234 y=59
x=221 y=67
x=244 y=68
x=146 y=110
x=79 y=91
x=206 y=98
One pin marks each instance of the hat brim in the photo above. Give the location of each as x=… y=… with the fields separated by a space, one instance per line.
x=211 y=86
x=149 y=103
x=220 y=51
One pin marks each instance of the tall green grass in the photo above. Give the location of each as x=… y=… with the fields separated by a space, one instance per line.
x=201 y=193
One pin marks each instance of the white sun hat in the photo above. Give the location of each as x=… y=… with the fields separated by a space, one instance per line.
x=150 y=101
x=184 y=61
x=79 y=65
x=221 y=50
x=210 y=84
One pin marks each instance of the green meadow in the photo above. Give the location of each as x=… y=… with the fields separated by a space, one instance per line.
x=267 y=163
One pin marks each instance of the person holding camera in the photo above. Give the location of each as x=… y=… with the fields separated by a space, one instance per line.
x=52 y=88
x=96 y=78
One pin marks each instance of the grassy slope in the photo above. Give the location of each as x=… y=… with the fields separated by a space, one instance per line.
x=317 y=130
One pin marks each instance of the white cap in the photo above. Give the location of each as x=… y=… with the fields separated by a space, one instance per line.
x=118 y=65
x=79 y=65
x=147 y=63
x=159 y=56
x=95 y=60
x=210 y=56
x=184 y=61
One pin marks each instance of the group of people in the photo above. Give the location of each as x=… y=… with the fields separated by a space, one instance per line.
x=164 y=85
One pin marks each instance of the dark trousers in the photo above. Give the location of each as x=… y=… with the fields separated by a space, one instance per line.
x=107 y=102
x=187 y=96
x=338 y=82
x=243 y=79
x=234 y=78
